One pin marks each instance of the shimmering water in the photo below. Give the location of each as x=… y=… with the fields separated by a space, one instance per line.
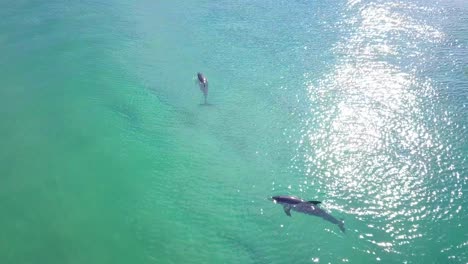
x=106 y=155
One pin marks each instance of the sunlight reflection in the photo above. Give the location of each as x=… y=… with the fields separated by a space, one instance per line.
x=367 y=141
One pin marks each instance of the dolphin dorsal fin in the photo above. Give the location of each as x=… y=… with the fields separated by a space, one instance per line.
x=314 y=202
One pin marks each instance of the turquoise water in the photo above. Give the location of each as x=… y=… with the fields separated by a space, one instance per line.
x=106 y=155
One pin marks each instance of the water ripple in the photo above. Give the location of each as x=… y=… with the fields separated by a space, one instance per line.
x=377 y=140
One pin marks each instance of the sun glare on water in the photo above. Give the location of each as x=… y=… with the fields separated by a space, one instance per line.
x=369 y=141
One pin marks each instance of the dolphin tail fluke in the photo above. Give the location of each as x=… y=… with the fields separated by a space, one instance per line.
x=287 y=210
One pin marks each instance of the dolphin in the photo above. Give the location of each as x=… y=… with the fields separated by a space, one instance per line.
x=203 y=83
x=306 y=207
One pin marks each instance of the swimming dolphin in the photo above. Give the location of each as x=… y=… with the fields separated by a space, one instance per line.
x=203 y=83
x=306 y=207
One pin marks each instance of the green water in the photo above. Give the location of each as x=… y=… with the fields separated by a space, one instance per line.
x=106 y=155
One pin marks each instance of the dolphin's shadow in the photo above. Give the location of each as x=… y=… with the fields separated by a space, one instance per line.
x=206 y=104
x=243 y=246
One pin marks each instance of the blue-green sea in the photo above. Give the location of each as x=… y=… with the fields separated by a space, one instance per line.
x=107 y=154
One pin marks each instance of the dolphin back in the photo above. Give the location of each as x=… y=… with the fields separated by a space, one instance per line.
x=306 y=207
x=284 y=199
x=201 y=77
x=312 y=209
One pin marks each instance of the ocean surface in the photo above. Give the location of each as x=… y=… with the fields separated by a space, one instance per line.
x=107 y=156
